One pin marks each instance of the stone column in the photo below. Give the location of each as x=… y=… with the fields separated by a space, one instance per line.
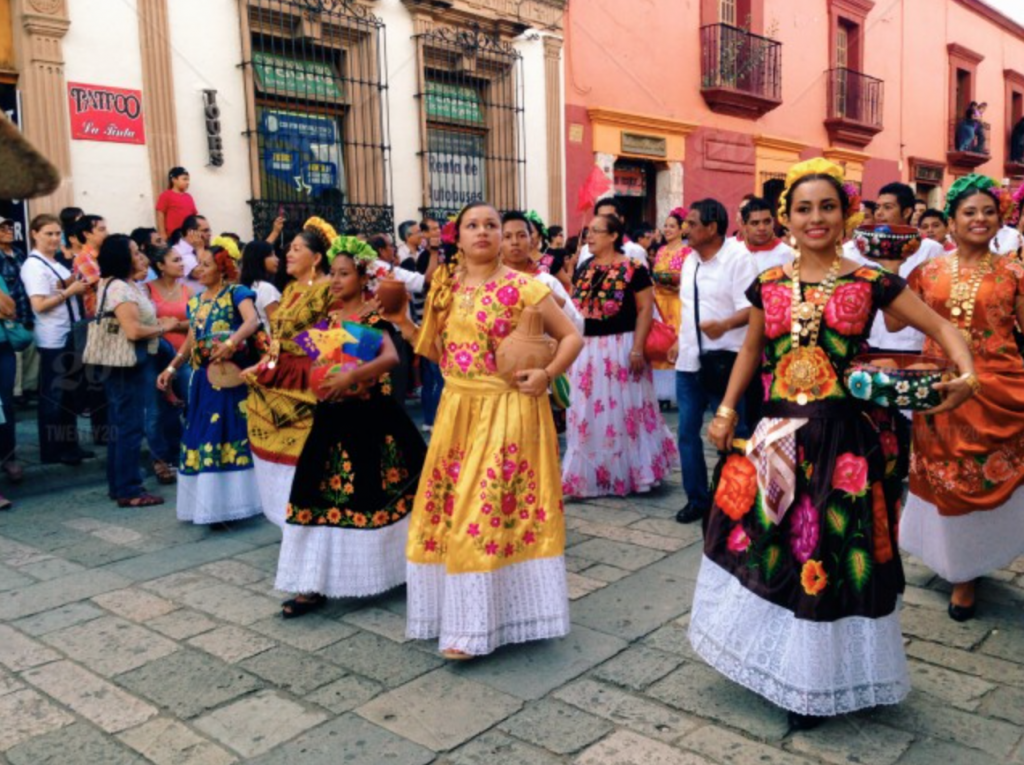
x=158 y=92
x=670 y=189
x=39 y=29
x=553 y=92
x=607 y=164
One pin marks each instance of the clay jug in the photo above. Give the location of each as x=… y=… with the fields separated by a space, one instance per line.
x=391 y=294
x=527 y=347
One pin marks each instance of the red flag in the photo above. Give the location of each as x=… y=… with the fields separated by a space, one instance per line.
x=593 y=188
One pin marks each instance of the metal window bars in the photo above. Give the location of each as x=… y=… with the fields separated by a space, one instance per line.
x=316 y=86
x=471 y=121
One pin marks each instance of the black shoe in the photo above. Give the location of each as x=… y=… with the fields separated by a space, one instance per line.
x=691 y=513
x=804 y=722
x=962 y=613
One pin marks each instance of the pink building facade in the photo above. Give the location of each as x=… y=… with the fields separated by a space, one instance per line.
x=676 y=101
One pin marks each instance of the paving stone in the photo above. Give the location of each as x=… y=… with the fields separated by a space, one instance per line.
x=602 y=572
x=916 y=573
x=118 y=535
x=110 y=645
x=26 y=714
x=920 y=714
x=75 y=744
x=852 y=738
x=8 y=684
x=556 y=726
x=351 y=740
x=581 y=586
x=20 y=652
x=43 y=537
x=310 y=633
x=258 y=723
x=182 y=624
x=168 y=742
x=413 y=712
x=673 y=638
x=379 y=659
x=532 y=670
x=575 y=565
x=379 y=621
x=232 y=644
x=172 y=682
x=231 y=603
x=10 y=579
x=345 y=694
x=634 y=712
x=493 y=748
x=971 y=663
x=621 y=554
x=626 y=608
x=614 y=516
x=137 y=605
x=960 y=690
x=233 y=571
x=701 y=691
x=722 y=746
x=1005 y=644
x=637 y=667
x=264 y=558
x=688 y=532
x=45 y=596
x=176 y=586
x=926 y=598
x=937 y=627
x=91 y=552
x=93 y=698
x=1006 y=704
x=51 y=569
x=625 y=747
x=179 y=558
x=931 y=752
x=292 y=670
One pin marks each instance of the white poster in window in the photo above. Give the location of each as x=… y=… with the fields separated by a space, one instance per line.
x=456 y=167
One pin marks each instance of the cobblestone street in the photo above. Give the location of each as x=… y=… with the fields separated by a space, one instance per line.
x=127 y=637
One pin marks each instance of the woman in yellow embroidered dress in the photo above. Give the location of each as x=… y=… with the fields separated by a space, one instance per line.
x=487 y=533
x=965 y=511
x=668 y=266
x=281 y=401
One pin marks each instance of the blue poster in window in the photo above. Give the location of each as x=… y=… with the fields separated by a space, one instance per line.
x=302 y=151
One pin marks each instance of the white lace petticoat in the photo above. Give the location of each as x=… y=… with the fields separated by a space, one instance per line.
x=275 y=486
x=811 y=668
x=207 y=498
x=341 y=563
x=478 y=612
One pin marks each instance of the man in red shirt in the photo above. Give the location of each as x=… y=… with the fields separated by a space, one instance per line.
x=175 y=203
x=90 y=230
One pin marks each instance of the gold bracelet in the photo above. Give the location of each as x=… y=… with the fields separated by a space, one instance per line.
x=727 y=414
x=972 y=381
x=230 y=342
x=171 y=369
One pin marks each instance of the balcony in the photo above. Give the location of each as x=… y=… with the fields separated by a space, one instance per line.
x=854 y=107
x=970 y=144
x=741 y=73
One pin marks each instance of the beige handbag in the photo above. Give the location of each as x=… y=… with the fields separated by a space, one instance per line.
x=106 y=344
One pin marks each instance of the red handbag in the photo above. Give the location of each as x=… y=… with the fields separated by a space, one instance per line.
x=659 y=340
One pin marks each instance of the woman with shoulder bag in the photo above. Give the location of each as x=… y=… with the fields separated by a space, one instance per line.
x=123 y=335
x=53 y=294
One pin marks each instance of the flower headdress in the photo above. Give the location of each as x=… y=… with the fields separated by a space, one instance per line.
x=680 y=213
x=970 y=184
x=352 y=246
x=534 y=217
x=816 y=166
x=229 y=245
x=1018 y=201
x=322 y=227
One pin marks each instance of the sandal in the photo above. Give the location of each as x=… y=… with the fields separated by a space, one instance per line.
x=143 y=500
x=452 y=655
x=165 y=474
x=294 y=608
x=5 y=504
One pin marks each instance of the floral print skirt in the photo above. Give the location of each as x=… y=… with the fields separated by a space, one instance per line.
x=805 y=612
x=215 y=478
x=617 y=441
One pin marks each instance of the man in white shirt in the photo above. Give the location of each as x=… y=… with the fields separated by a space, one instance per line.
x=409 y=237
x=715 y=312
x=759 y=240
x=196 y=235
x=632 y=250
x=387 y=265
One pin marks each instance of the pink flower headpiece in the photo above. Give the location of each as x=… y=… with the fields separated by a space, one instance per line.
x=680 y=212
x=448 y=233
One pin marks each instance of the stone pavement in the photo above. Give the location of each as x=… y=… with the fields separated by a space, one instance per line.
x=127 y=637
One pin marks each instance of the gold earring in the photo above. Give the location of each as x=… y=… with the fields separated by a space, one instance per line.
x=839 y=247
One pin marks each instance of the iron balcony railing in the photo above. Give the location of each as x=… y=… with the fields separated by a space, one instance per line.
x=735 y=59
x=970 y=136
x=854 y=96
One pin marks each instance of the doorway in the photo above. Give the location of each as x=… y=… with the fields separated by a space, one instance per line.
x=635 y=184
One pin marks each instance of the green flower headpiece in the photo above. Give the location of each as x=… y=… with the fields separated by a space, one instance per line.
x=352 y=246
x=534 y=217
x=968 y=184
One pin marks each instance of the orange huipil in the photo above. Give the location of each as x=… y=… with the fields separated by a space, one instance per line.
x=972 y=458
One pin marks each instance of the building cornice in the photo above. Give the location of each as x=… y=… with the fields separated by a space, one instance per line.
x=997 y=18
x=958 y=50
x=782 y=144
x=631 y=121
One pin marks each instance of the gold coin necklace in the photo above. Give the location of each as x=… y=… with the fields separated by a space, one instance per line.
x=802 y=372
x=467 y=295
x=963 y=296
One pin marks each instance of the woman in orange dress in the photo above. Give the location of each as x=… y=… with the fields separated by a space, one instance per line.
x=668 y=265
x=965 y=512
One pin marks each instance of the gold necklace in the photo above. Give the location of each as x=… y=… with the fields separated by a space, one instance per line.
x=467 y=295
x=963 y=296
x=803 y=372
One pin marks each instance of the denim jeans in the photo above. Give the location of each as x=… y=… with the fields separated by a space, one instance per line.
x=164 y=424
x=58 y=383
x=126 y=402
x=8 y=371
x=433 y=384
x=694 y=401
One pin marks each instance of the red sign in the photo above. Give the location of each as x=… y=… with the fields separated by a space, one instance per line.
x=99 y=113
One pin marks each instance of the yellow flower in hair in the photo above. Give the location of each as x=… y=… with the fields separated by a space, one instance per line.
x=816 y=166
x=228 y=244
x=325 y=228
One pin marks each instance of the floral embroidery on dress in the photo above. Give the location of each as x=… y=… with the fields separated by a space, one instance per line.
x=599 y=291
x=232 y=454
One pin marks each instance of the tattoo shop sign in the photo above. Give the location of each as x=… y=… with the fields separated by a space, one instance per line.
x=101 y=113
